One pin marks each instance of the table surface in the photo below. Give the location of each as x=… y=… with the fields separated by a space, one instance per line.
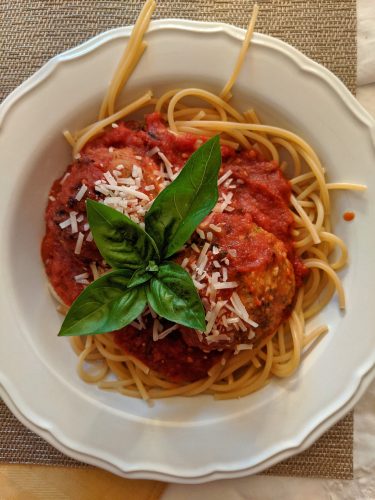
x=31 y=482
x=34 y=482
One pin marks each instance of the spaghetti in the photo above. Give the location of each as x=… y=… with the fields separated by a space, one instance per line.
x=250 y=367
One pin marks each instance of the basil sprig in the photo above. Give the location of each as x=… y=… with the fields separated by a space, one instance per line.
x=142 y=274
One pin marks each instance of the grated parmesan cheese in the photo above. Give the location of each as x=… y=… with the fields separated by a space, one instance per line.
x=73 y=222
x=64 y=178
x=224 y=177
x=168 y=165
x=81 y=276
x=79 y=243
x=166 y=332
x=153 y=151
x=227 y=284
x=215 y=228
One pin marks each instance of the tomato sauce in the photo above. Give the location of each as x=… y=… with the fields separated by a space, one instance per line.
x=261 y=198
x=348 y=216
x=170 y=356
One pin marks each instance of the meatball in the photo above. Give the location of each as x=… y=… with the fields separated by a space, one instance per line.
x=258 y=263
x=58 y=246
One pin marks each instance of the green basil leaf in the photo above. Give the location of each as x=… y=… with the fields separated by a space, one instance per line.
x=172 y=295
x=139 y=277
x=182 y=205
x=122 y=243
x=104 y=306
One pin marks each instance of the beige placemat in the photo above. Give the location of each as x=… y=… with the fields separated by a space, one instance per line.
x=32 y=31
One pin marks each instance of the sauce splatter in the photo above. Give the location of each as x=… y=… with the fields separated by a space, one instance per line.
x=348 y=216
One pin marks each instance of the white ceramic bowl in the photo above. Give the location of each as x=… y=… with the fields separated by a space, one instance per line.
x=182 y=440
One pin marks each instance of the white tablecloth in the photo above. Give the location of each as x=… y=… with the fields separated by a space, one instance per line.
x=281 y=488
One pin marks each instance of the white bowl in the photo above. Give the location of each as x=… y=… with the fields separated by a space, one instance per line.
x=180 y=439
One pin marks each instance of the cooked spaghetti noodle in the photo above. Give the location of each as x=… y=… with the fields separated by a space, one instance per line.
x=238 y=373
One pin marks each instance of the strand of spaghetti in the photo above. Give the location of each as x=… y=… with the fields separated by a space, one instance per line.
x=199 y=116
x=251 y=117
x=307 y=204
x=293 y=154
x=103 y=111
x=178 y=391
x=220 y=387
x=319 y=212
x=236 y=362
x=129 y=392
x=141 y=388
x=69 y=137
x=318 y=170
x=347 y=185
x=155 y=381
x=281 y=339
x=221 y=106
x=215 y=372
x=115 y=384
x=241 y=56
x=265 y=142
x=303 y=245
x=301 y=212
x=208 y=133
x=107 y=340
x=189 y=112
x=331 y=273
x=127 y=71
x=317 y=332
x=285 y=369
x=121 y=357
x=126 y=58
x=301 y=178
x=295 y=316
x=308 y=190
x=99 y=126
x=318 y=253
x=165 y=98
x=259 y=380
x=255 y=361
x=335 y=240
x=87 y=377
x=120 y=370
x=77 y=346
x=310 y=299
x=239 y=137
x=82 y=131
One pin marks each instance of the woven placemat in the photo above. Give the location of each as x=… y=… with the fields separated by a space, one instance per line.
x=32 y=31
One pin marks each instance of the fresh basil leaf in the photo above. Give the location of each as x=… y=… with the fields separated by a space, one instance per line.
x=122 y=243
x=104 y=306
x=172 y=295
x=140 y=276
x=182 y=205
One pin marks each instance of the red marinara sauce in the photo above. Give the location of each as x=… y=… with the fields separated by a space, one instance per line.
x=262 y=197
x=348 y=216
